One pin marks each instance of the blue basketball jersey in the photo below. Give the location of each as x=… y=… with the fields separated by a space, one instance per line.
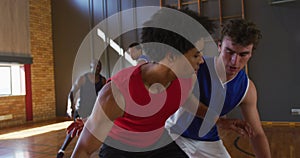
x=143 y=58
x=235 y=91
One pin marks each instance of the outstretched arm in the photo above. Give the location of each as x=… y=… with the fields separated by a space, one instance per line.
x=76 y=86
x=248 y=107
x=100 y=122
x=86 y=144
x=239 y=126
x=72 y=97
x=70 y=105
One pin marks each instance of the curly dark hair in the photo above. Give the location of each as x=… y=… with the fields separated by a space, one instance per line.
x=172 y=39
x=242 y=32
x=136 y=45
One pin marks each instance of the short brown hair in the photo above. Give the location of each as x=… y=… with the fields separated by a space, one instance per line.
x=242 y=32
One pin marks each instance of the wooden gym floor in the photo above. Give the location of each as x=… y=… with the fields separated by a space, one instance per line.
x=43 y=140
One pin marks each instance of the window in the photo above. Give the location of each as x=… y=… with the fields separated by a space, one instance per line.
x=280 y=1
x=12 y=79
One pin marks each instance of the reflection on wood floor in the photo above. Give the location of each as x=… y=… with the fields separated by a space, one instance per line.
x=44 y=145
x=284 y=140
x=45 y=141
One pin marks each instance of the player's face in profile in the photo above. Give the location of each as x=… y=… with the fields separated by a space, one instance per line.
x=188 y=63
x=134 y=53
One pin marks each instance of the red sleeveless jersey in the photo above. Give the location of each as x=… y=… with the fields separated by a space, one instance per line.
x=145 y=113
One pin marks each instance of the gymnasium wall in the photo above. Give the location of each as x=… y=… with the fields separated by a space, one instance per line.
x=275 y=65
x=42 y=69
x=39 y=22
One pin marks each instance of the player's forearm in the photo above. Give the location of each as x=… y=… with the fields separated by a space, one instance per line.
x=71 y=96
x=81 y=150
x=193 y=105
x=261 y=146
x=86 y=145
x=201 y=111
x=78 y=153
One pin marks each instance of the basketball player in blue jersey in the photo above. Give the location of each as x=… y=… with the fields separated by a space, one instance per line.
x=136 y=53
x=238 y=40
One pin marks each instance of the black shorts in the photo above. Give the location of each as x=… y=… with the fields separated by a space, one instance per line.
x=171 y=150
